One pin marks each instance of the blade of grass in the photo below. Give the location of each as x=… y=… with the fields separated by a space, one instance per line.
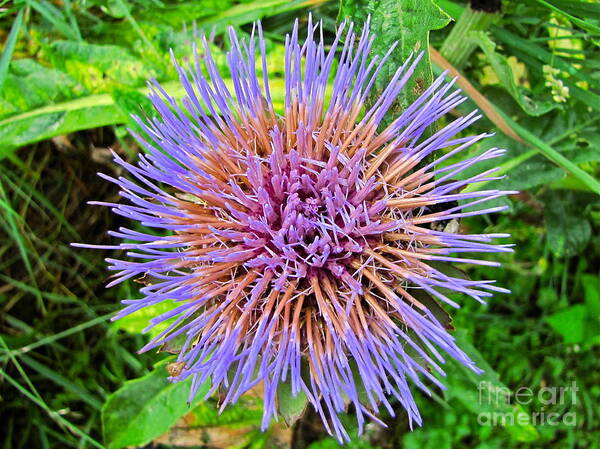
x=514 y=128
x=58 y=336
x=552 y=154
x=12 y=178
x=586 y=97
x=10 y=224
x=539 y=53
x=50 y=296
x=55 y=17
x=581 y=23
x=53 y=376
x=72 y=19
x=20 y=370
x=54 y=415
x=517 y=160
x=9 y=47
x=245 y=12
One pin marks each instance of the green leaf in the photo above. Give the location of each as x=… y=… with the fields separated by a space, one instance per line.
x=145 y=408
x=552 y=154
x=407 y=22
x=568 y=232
x=30 y=85
x=9 y=46
x=83 y=113
x=247 y=12
x=485 y=394
x=290 y=407
x=140 y=319
x=534 y=172
x=570 y=323
x=54 y=120
x=584 y=24
x=100 y=67
x=504 y=73
x=577 y=7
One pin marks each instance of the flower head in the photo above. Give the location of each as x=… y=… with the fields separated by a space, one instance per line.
x=303 y=247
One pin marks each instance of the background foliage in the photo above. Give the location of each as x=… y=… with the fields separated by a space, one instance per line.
x=72 y=71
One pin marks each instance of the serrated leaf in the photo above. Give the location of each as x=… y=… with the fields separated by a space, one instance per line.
x=407 y=22
x=145 y=408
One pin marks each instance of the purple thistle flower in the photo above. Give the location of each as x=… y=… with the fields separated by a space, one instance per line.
x=303 y=248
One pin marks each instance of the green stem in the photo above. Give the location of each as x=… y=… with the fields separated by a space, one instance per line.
x=553 y=155
x=518 y=160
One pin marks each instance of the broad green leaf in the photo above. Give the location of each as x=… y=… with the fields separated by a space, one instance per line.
x=485 y=394
x=580 y=323
x=570 y=323
x=83 y=113
x=504 y=72
x=534 y=172
x=145 y=408
x=568 y=232
x=407 y=22
x=100 y=67
x=30 y=85
x=140 y=319
x=54 y=120
x=290 y=407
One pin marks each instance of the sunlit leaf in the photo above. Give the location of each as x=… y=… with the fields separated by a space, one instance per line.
x=145 y=408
